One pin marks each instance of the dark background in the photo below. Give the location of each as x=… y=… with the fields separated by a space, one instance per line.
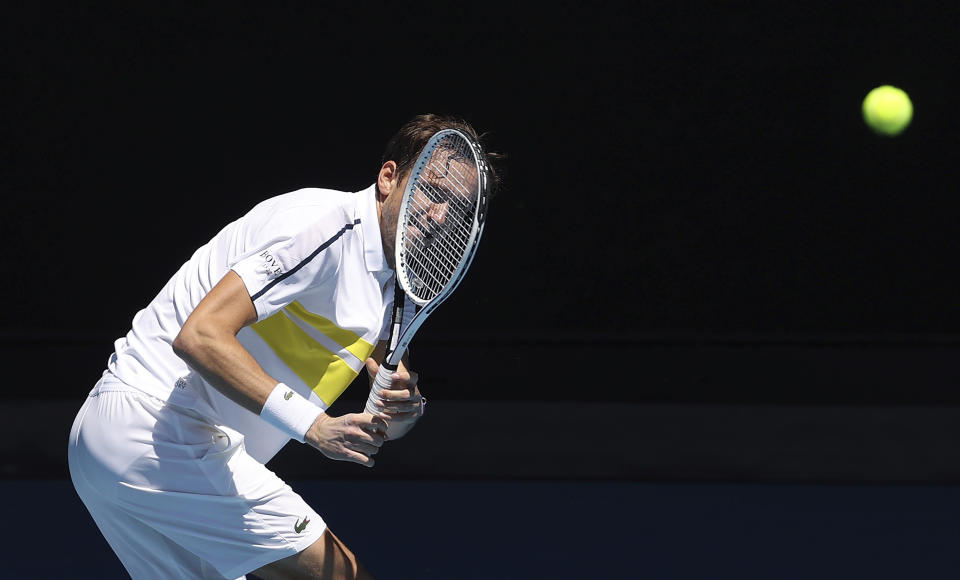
x=689 y=188
x=712 y=330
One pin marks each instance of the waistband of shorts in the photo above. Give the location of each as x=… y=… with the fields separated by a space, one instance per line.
x=110 y=383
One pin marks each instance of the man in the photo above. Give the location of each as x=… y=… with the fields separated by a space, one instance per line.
x=243 y=349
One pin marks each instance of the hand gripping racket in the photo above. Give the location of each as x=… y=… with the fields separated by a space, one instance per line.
x=442 y=213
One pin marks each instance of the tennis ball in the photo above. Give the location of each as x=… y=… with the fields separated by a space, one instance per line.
x=887 y=110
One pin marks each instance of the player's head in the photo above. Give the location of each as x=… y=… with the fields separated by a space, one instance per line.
x=401 y=154
x=405 y=146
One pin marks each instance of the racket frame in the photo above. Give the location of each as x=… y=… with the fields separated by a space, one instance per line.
x=400 y=338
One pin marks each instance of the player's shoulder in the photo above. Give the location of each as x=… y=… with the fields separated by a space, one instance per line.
x=303 y=221
x=306 y=207
x=310 y=199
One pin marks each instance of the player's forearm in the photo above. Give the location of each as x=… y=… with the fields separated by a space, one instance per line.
x=220 y=358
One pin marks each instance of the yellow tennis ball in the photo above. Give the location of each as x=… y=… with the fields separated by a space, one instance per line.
x=887 y=110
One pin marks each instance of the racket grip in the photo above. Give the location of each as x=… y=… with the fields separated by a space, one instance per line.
x=382 y=381
x=396 y=428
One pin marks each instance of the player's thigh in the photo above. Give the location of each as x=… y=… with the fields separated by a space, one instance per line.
x=186 y=479
x=146 y=553
x=327 y=559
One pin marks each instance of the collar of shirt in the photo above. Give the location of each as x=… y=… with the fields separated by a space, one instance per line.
x=373 y=253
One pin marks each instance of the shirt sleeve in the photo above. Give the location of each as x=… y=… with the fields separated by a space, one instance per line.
x=280 y=271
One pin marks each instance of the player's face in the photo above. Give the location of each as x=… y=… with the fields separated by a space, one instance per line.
x=445 y=193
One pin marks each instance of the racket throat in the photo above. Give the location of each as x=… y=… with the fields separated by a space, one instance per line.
x=392 y=359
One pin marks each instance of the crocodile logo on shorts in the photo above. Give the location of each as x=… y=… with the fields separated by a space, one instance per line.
x=288 y=395
x=299 y=527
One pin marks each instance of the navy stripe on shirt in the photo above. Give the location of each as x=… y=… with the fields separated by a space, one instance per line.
x=306 y=260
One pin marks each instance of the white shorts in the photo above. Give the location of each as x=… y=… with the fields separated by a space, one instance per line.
x=177 y=496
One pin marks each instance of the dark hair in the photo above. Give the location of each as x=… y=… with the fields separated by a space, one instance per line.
x=405 y=146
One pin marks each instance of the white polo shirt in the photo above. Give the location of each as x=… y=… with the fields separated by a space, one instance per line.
x=313 y=263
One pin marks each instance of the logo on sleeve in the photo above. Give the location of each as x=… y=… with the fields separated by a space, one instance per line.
x=271 y=264
x=288 y=395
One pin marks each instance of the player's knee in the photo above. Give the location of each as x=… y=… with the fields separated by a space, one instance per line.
x=338 y=558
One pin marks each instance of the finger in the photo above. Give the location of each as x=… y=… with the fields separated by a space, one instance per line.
x=401 y=407
x=401 y=415
x=383 y=418
x=365 y=420
x=369 y=436
x=402 y=379
x=374 y=423
x=379 y=421
x=348 y=453
x=357 y=457
x=398 y=394
x=372 y=367
x=361 y=447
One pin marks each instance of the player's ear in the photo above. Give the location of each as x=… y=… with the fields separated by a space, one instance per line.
x=387 y=180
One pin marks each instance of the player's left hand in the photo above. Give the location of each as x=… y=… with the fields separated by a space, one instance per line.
x=402 y=404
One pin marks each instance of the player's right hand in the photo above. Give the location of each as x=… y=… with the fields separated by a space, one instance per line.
x=356 y=437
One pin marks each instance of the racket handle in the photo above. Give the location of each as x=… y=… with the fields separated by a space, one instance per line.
x=380 y=382
x=395 y=428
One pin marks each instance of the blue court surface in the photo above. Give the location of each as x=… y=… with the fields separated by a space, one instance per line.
x=554 y=529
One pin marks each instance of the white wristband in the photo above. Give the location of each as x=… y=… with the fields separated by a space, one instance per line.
x=288 y=411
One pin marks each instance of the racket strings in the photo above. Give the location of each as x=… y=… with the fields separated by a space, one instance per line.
x=440 y=217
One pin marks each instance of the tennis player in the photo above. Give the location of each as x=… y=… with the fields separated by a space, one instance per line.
x=243 y=350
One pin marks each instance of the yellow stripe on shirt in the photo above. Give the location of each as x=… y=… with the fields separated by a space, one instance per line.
x=345 y=338
x=325 y=372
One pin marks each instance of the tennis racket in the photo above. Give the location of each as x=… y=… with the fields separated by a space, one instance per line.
x=442 y=213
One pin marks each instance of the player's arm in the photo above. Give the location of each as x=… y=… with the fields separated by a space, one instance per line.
x=208 y=343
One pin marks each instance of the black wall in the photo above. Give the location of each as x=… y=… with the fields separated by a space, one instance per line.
x=679 y=177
